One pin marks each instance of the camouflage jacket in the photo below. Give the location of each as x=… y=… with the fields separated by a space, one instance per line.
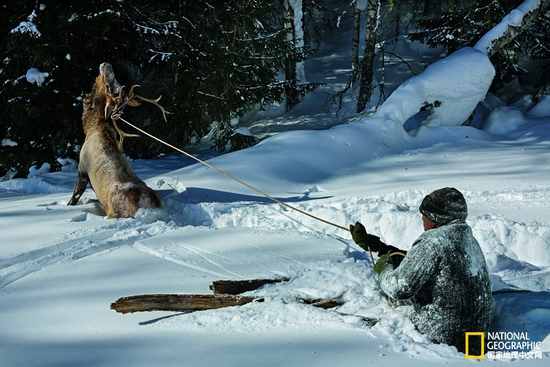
x=446 y=277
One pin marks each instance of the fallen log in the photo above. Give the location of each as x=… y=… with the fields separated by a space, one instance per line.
x=223 y=297
x=240 y=286
x=200 y=302
x=178 y=302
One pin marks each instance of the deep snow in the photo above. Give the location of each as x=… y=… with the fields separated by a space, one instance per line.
x=61 y=267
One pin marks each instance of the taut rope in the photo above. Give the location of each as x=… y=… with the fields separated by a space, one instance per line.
x=116 y=115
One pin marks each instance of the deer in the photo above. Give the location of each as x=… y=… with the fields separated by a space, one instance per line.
x=103 y=163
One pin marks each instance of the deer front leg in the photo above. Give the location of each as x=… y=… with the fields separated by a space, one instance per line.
x=79 y=187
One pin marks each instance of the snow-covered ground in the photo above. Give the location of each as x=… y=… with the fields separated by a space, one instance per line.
x=61 y=267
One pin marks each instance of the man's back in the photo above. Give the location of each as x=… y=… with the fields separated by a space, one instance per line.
x=446 y=276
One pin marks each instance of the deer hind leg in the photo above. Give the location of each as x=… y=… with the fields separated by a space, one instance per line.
x=79 y=187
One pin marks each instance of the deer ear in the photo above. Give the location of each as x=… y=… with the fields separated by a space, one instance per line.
x=133 y=103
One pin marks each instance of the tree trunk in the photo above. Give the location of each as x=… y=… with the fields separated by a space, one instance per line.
x=367 y=63
x=355 y=44
x=293 y=22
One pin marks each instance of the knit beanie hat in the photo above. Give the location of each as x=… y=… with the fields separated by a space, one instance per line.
x=444 y=205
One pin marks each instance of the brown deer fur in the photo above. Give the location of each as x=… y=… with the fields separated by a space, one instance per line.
x=102 y=162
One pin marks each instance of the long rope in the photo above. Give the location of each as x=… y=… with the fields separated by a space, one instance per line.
x=118 y=117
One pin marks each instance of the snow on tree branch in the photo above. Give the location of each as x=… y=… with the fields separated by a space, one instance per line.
x=504 y=32
x=446 y=92
x=28 y=26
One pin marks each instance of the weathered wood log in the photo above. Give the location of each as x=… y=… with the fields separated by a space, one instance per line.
x=226 y=295
x=323 y=303
x=177 y=302
x=240 y=286
x=200 y=302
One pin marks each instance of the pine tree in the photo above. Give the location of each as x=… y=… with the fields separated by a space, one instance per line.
x=226 y=59
x=65 y=42
x=212 y=61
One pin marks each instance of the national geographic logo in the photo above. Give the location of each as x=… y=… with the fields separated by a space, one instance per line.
x=502 y=345
x=481 y=344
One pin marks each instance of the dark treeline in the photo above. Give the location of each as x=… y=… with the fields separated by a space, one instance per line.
x=212 y=61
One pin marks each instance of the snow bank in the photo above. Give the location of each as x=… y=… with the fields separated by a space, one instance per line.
x=446 y=93
x=71 y=262
x=503 y=120
x=541 y=109
x=33 y=186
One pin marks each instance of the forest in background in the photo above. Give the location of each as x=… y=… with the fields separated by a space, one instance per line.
x=215 y=61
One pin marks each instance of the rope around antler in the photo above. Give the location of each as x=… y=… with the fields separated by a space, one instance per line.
x=117 y=116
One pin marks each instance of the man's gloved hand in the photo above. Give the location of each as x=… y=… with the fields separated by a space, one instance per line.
x=363 y=239
x=383 y=262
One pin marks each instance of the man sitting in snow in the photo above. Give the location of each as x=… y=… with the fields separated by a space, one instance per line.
x=444 y=273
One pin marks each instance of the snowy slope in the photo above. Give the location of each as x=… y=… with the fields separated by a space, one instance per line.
x=61 y=267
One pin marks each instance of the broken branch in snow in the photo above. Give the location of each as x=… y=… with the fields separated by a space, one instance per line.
x=241 y=286
x=200 y=302
x=325 y=304
x=178 y=302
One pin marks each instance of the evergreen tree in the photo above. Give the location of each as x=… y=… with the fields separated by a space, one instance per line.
x=225 y=58
x=213 y=62
x=66 y=43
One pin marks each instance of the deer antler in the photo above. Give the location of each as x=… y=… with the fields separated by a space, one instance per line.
x=156 y=103
x=153 y=101
x=119 y=98
x=121 y=133
x=132 y=101
x=113 y=110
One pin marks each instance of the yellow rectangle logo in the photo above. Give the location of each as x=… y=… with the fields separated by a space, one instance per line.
x=475 y=334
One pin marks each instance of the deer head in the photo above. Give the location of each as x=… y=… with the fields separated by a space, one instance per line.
x=109 y=94
x=107 y=85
